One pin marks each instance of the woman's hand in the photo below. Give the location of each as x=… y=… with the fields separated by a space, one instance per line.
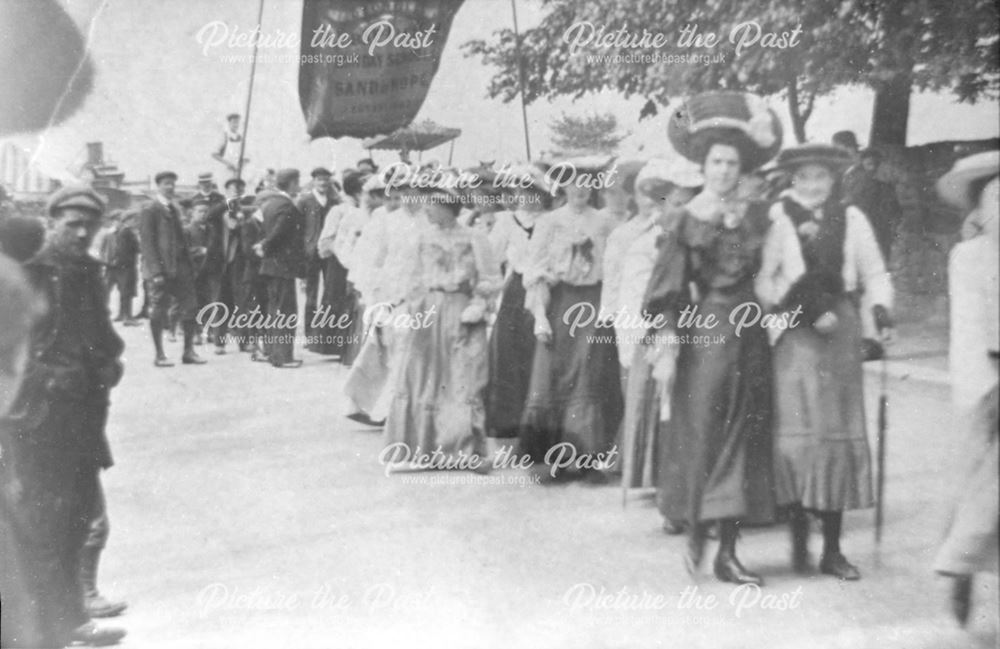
x=543 y=332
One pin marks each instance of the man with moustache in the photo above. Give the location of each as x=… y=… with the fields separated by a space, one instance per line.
x=282 y=260
x=206 y=190
x=166 y=265
x=314 y=207
x=54 y=433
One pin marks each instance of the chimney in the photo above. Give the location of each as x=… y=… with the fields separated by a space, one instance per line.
x=95 y=154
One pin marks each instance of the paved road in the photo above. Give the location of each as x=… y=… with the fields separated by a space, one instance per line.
x=247 y=512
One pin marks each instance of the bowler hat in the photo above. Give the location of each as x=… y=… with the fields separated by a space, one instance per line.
x=80 y=197
x=741 y=118
x=953 y=187
x=234 y=181
x=164 y=175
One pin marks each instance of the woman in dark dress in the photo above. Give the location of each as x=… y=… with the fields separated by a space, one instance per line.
x=512 y=340
x=717 y=449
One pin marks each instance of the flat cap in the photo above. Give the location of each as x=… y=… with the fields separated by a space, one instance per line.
x=163 y=175
x=321 y=171
x=80 y=197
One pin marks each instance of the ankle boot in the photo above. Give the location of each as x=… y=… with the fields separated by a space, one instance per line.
x=96 y=605
x=727 y=567
x=798 y=525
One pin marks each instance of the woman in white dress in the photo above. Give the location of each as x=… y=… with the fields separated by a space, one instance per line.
x=970 y=546
x=438 y=385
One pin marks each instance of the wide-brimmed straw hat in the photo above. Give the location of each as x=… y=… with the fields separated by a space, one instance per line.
x=831 y=156
x=740 y=117
x=953 y=187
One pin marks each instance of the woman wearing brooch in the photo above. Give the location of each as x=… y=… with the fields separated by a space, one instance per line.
x=820 y=258
x=574 y=395
x=717 y=450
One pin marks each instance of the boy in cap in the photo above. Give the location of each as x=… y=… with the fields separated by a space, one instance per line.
x=166 y=264
x=56 y=428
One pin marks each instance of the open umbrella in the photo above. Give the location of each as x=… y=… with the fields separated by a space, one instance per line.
x=418 y=136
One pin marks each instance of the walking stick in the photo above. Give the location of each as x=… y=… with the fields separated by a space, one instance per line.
x=883 y=414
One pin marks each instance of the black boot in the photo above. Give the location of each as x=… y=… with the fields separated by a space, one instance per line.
x=833 y=562
x=156 y=328
x=961 y=598
x=798 y=524
x=190 y=357
x=727 y=567
x=96 y=605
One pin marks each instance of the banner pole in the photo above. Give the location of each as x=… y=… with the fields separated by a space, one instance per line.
x=253 y=73
x=520 y=75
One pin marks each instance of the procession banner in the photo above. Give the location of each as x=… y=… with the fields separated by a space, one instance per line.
x=366 y=66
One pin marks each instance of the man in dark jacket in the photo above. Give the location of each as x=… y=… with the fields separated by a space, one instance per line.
x=166 y=264
x=54 y=434
x=282 y=260
x=226 y=250
x=121 y=254
x=314 y=207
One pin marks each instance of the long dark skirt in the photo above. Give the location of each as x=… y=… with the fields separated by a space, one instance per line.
x=575 y=389
x=356 y=331
x=512 y=347
x=329 y=329
x=823 y=460
x=717 y=460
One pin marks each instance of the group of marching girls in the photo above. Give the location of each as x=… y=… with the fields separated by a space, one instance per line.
x=699 y=325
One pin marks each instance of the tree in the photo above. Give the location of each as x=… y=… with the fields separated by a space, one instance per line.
x=597 y=132
x=892 y=46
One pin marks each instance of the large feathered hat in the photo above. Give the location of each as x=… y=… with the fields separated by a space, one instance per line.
x=741 y=118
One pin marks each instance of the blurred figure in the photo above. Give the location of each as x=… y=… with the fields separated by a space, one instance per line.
x=21 y=237
x=971 y=542
x=120 y=253
x=19 y=615
x=55 y=429
x=861 y=188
